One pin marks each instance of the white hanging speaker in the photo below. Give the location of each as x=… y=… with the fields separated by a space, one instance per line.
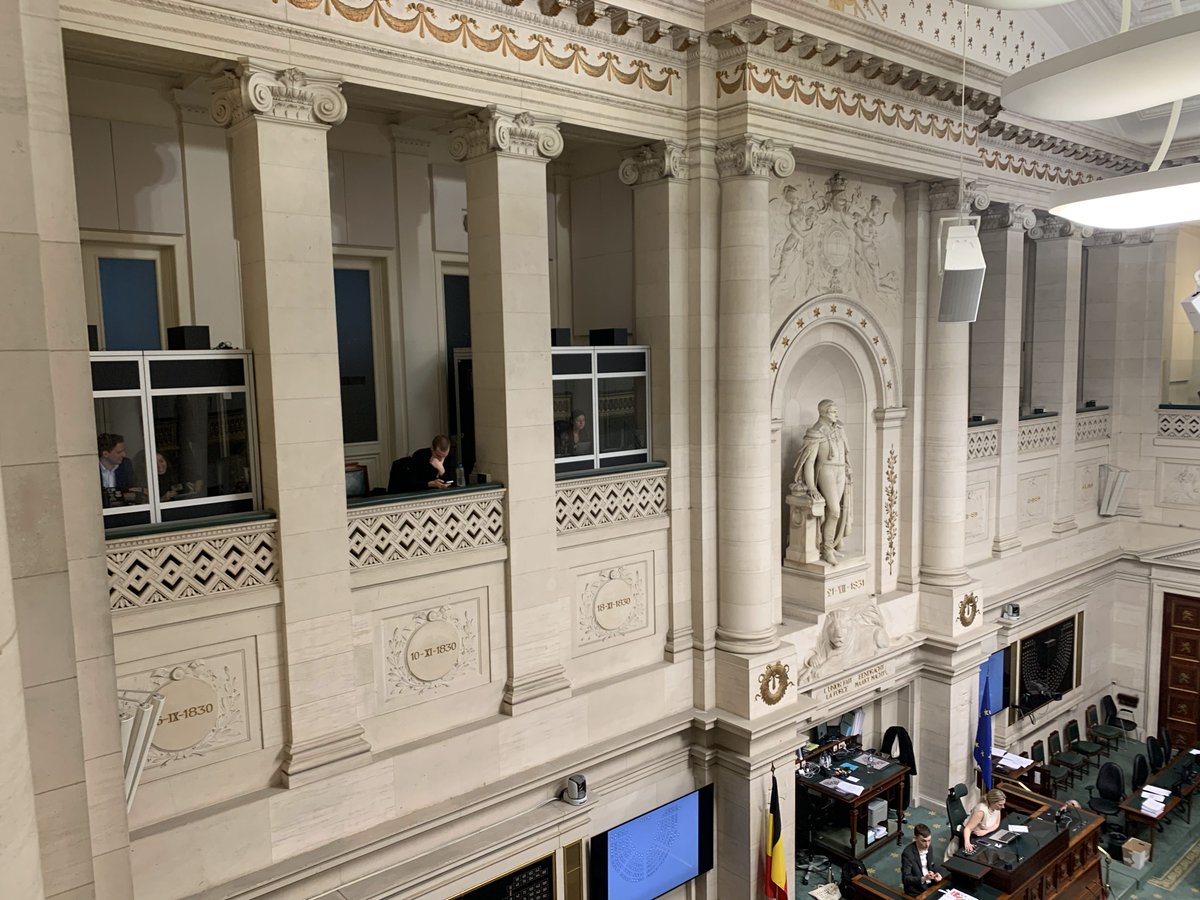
x=962 y=269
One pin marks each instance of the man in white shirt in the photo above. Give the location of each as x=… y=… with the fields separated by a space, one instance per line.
x=916 y=869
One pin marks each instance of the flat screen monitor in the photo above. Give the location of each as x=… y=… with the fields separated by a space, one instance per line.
x=648 y=856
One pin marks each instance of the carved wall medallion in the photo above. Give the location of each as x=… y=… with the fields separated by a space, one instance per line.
x=425 y=652
x=968 y=608
x=188 y=714
x=773 y=682
x=613 y=604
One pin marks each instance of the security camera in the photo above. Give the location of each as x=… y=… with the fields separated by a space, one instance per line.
x=575 y=792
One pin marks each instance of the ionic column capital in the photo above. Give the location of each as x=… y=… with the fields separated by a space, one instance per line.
x=748 y=154
x=1008 y=216
x=1049 y=228
x=251 y=89
x=499 y=130
x=947 y=195
x=654 y=162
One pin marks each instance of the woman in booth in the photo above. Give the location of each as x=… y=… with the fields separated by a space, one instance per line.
x=985 y=818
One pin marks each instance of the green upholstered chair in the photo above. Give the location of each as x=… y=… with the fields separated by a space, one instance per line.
x=1072 y=759
x=1109 y=735
x=1089 y=749
x=1060 y=776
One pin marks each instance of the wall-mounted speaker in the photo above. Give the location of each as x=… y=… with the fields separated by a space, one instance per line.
x=1112 y=486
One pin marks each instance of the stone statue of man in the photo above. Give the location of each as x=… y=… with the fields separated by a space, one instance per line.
x=823 y=471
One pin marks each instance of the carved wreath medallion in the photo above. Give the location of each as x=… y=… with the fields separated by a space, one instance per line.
x=968 y=608
x=773 y=682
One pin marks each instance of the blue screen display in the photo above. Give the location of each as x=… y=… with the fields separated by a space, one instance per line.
x=655 y=852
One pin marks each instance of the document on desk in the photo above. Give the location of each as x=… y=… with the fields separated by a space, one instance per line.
x=1151 y=789
x=956 y=894
x=846 y=787
x=1019 y=829
x=1152 y=807
x=831 y=783
x=1194 y=751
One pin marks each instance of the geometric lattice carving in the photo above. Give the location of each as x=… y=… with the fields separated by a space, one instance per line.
x=186 y=564
x=1094 y=427
x=418 y=528
x=1041 y=434
x=1181 y=425
x=608 y=499
x=983 y=442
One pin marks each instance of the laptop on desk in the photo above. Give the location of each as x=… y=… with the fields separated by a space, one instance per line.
x=1001 y=836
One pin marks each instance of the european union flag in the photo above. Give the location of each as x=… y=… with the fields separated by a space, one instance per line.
x=983 y=739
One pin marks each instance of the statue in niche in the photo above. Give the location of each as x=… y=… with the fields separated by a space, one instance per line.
x=823 y=474
x=849 y=635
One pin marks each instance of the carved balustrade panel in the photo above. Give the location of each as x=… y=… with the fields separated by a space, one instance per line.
x=610 y=499
x=983 y=442
x=1040 y=434
x=1179 y=424
x=412 y=529
x=1093 y=427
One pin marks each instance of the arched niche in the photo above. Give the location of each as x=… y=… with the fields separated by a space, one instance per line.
x=831 y=347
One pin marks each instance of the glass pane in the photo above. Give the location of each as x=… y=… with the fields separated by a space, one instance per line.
x=356 y=354
x=129 y=304
x=622 y=414
x=121 y=452
x=203 y=448
x=573 y=417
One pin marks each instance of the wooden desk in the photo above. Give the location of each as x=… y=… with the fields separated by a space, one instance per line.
x=1054 y=861
x=1166 y=778
x=886 y=782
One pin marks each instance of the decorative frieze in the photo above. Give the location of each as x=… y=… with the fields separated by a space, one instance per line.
x=426 y=527
x=186 y=565
x=983 y=442
x=506 y=131
x=610 y=499
x=250 y=89
x=1039 y=434
x=751 y=155
x=654 y=162
x=1093 y=427
x=1179 y=424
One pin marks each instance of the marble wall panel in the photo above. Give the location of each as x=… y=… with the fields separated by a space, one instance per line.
x=613 y=604
x=979 y=512
x=1033 y=498
x=1177 y=484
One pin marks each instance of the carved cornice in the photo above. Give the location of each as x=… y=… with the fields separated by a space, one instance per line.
x=250 y=89
x=751 y=155
x=945 y=195
x=1048 y=143
x=506 y=131
x=654 y=162
x=999 y=216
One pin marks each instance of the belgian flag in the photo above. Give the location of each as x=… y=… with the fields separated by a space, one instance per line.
x=775 y=870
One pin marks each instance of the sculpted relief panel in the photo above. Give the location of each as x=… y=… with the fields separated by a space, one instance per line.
x=435 y=651
x=830 y=235
x=614 y=604
x=850 y=636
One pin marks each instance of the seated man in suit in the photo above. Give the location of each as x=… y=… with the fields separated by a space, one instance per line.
x=430 y=468
x=117 y=486
x=916 y=868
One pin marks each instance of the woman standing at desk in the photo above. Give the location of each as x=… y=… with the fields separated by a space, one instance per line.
x=984 y=819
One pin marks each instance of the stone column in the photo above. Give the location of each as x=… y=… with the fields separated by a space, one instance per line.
x=277 y=123
x=944 y=578
x=996 y=356
x=52 y=570
x=1056 y=349
x=916 y=302
x=658 y=174
x=505 y=154
x=744 y=477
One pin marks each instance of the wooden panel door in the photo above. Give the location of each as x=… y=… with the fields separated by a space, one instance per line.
x=1179 y=679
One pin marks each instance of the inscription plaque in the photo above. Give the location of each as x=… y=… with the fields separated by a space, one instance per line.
x=433 y=650
x=187 y=716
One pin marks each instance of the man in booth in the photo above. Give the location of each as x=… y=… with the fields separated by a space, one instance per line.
x=116 y=471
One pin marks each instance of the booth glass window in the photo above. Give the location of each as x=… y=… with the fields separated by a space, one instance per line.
x=188 y=427
x=601 y=407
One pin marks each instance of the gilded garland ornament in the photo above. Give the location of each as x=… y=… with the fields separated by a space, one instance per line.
x=968 y=608
x=773 y=682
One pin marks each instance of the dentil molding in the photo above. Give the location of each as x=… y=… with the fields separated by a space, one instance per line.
x=751 y=155
x=251 y=89
x=506 y=131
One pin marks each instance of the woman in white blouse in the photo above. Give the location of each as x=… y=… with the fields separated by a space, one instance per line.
x=985 y=818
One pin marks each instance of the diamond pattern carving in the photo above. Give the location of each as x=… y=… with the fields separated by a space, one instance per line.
x=189 y=564
x=983 y=442
x=417 y=528
x=1041 y=434
x=1096 y=427
x=1179 y=425
x=609 y=499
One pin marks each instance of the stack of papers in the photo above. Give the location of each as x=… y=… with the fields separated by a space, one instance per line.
x=956 y=894
x=846 y=787
x=1154 y=800
x=1010 y=760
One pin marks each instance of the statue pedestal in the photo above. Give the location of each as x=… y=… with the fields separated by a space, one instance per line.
x=804 y=529
x=818 y=587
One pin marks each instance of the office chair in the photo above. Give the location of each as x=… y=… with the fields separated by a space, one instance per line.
x=956 y=813
x=1060 y=776
x=1069 y=758
x=816 y=813
x=1111 y=716
x=1155 y=753
x=1109 y=735
x=1164 y=738
x=1089 y=749
x=1141 y=771
x=1110 y=786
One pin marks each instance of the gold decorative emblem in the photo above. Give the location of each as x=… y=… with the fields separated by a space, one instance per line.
x=773 y=683
x=968 y=608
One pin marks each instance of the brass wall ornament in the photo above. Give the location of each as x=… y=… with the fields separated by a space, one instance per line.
x=968 y=608
x=773 y=682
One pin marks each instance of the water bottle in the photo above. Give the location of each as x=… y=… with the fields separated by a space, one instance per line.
x=460 y=476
